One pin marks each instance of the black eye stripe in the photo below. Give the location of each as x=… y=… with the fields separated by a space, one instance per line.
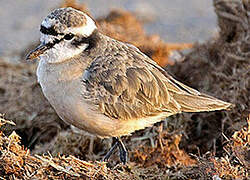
x=56 y=41
x=91 y=40
x=52 y=44
x=49 y=31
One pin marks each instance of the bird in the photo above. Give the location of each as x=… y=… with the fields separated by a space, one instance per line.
x=104 y=86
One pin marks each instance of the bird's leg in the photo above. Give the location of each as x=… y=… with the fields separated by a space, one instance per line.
x=123 y=151
x=110 y=152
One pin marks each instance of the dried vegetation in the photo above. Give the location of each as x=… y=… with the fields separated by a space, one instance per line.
x=219 y=142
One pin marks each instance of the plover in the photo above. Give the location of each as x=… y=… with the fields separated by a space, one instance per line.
x=107 y=87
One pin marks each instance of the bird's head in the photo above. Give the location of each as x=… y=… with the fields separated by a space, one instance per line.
x=64 y=34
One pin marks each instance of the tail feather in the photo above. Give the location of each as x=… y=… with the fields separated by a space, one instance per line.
x=198 y=103
x=191 y=100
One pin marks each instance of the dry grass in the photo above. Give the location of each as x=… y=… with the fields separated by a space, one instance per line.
x=220 y=66
x=16 y=162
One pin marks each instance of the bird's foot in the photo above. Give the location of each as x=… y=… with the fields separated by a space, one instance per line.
x=122 y=150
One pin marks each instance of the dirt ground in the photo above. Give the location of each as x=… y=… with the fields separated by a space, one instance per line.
x=213 y=145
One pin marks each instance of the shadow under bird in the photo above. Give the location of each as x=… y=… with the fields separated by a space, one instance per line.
x=107 y=87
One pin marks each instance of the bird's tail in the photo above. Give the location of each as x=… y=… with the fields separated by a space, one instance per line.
x=201 y=102
x=190 y=100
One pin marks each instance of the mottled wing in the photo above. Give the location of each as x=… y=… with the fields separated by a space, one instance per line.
x=126 y=84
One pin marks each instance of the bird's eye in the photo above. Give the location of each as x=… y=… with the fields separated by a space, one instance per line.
x=68 y=36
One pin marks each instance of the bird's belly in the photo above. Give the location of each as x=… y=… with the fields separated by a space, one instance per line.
x=68 y=102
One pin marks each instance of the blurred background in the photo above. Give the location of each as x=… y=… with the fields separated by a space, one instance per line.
x=174 y=21
x=191 y=145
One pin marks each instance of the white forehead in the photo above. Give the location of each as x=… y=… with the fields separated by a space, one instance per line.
x=85 y=30
x=47 y=22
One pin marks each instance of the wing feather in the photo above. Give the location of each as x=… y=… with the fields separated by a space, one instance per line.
x=129 y=85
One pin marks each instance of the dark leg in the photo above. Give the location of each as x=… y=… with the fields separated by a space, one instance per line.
x=122 y=150
x=110 y=152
